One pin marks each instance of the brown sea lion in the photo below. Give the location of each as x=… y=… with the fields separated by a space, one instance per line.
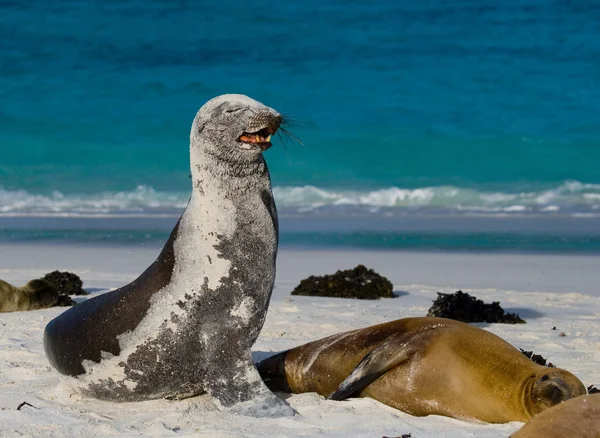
x=37 y=294
x=424 y=366
x=578 y=417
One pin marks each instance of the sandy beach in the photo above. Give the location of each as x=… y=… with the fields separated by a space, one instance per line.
x=549 y=291
x=448 y=145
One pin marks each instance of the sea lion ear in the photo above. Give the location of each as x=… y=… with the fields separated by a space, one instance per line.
x=379 y=361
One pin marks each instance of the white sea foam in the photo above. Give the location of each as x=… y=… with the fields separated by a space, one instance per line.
x=145 y=200
x=141 y=199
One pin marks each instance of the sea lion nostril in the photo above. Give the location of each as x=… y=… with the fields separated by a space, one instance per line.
x=274 y=124
x=556 y=394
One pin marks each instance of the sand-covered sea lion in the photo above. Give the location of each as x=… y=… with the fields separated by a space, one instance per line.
x=36 y=294
x=576 y=418
x=424 y=366
x=186 y=325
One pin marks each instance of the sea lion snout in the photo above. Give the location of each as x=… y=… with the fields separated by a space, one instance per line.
x=261 y=126
x=274 y=123
x=42 y=294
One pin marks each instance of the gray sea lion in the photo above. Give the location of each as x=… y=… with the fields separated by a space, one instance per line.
x=36 y=294
x=186 y=325
x=576 y=418
x=424 y=366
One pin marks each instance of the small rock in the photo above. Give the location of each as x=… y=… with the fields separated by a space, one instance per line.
x=360 y=282
x=463 y=307
x=592 y=390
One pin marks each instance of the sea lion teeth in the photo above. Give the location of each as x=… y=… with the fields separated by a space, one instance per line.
x=186 y=325
x=268 y=138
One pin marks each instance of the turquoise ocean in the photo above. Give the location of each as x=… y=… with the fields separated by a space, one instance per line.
x=433 y=124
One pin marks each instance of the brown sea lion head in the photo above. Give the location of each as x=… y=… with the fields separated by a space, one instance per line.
x=42 y=293
x=550 y=387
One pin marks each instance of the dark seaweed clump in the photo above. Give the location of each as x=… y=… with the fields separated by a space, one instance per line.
x=540 y=360
x=463 y=307
x=64 y=301
x=66 y=283
x=360 y=282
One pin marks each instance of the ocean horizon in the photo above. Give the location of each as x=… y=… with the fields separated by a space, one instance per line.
x=468 y=125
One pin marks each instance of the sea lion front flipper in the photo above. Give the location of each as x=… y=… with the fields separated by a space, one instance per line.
x=379 y=361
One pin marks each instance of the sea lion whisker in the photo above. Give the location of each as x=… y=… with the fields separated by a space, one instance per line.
x=293 y=122
x=288 y=136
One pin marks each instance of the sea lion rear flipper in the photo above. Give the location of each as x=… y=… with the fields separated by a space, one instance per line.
x=391 y=353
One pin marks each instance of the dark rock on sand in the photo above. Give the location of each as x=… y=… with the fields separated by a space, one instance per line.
x=66 y=283
x=463 y=307
x=540 y=360
x=360 y=282
x=592 y=389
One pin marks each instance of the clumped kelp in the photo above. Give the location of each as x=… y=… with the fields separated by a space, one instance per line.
x=360 y=282
x=463 y=307
x=67 y=284
x=537 y=358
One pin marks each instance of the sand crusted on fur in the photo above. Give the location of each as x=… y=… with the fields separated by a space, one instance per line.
x=197 y=332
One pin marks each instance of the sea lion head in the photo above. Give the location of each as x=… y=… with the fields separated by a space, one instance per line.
x=550 y=387
x=234 y=128
x=42 y=293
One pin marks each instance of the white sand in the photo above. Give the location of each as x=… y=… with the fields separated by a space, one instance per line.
x=548 y=291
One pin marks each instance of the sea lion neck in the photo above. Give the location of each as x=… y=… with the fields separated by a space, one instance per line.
x=526 y=392
x=229 y=179
x=229 y=166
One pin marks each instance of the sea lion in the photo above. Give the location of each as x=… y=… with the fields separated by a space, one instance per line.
x=36 y=294
x=186 y=325
x=424 y=366
x=578 y=417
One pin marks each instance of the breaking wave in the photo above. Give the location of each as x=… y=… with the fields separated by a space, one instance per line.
x=570 y=197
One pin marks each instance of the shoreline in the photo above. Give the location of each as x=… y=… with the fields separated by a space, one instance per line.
x=557 y=273
x=558 y=235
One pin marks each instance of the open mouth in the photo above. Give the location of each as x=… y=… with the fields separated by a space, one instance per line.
x=261 y=138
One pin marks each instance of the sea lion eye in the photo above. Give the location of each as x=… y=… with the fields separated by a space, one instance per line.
x=233 y=110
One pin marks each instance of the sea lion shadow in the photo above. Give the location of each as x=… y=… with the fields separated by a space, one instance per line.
x=400 y=293
x=257 y=356
x=525 y=312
